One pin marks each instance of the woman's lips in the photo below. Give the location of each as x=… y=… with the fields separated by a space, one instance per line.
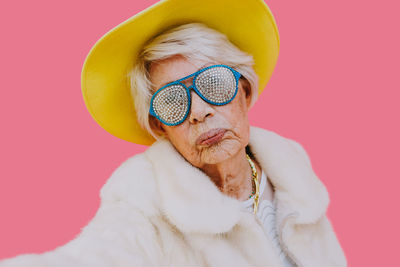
x=211 y=137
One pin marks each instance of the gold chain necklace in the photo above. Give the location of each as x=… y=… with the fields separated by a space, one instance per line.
x=255 y=179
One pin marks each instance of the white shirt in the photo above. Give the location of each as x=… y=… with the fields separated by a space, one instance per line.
x=266 y=213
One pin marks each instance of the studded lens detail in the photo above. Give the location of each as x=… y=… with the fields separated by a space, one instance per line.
x=171 y=103
x=216 y=84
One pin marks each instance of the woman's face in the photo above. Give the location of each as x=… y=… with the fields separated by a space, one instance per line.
x=226 y=127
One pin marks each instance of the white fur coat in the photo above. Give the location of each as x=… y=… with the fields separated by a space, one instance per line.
x=159 y=210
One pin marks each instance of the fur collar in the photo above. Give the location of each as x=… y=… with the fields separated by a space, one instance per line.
x=191 y=201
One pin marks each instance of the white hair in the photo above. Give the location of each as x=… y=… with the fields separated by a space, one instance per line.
x=192 y=41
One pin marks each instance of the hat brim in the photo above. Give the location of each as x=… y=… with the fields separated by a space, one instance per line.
x=248 y=24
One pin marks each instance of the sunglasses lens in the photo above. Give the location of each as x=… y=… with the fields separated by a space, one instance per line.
x=171 y=104
x=217 y=84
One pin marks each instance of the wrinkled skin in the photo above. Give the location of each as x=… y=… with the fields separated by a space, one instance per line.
x=225 y=161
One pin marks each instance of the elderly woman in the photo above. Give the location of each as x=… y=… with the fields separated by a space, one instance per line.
x=211 y=190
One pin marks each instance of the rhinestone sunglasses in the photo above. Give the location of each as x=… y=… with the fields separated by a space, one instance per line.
x=216 y=84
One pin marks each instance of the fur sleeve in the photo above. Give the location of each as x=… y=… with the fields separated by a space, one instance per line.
x=336 y=252
x=117 y=236
x=120 y=234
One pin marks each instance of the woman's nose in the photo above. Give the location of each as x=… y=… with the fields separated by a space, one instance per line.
x=199 y=109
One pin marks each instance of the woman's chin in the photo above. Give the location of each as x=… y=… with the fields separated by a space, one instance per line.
x=220 y=151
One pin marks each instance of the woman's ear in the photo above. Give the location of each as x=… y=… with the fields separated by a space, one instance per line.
x=156 y=126
x=247 y=89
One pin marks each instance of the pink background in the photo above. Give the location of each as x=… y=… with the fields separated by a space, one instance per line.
x=335 y=90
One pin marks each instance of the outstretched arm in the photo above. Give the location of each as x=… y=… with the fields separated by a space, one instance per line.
x=118 y=235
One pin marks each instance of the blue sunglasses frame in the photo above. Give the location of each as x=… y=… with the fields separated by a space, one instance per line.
x=193 y=86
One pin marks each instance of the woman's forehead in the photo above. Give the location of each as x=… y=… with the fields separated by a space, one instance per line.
x=171 y=69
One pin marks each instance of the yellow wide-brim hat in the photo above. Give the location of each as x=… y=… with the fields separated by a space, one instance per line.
x=248 y=24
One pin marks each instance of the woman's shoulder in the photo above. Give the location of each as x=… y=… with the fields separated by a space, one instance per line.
x=277 y=143
x=133 y=183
